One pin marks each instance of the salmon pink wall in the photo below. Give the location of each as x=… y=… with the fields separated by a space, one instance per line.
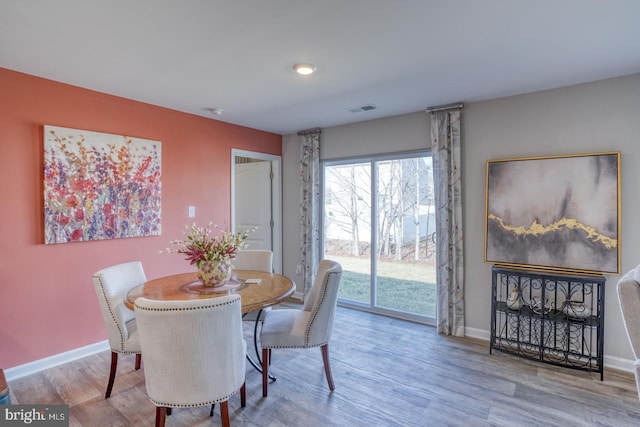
x=47 y=302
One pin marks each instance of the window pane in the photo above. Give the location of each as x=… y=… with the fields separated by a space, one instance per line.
x=347 y=232
x=405 y=279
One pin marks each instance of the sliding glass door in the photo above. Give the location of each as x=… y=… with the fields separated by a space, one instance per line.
x=379 y=224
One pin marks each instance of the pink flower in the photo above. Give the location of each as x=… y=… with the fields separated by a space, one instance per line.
x=62 y=219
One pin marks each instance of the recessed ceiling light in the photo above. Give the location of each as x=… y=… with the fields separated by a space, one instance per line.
x=304 y=69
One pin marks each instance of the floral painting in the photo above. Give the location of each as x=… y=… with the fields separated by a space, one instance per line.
x=99 y=186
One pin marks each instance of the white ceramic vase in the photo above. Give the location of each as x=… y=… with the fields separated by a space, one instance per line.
x=514 y=302
x=576 y=309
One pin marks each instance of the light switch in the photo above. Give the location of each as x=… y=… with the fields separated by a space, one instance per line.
x=192 y=211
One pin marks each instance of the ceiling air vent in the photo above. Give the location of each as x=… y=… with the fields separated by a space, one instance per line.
x=367 y=107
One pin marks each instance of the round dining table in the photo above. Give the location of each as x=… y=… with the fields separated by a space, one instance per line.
x=257 y=289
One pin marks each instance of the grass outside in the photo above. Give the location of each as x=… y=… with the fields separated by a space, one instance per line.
x=404 y=287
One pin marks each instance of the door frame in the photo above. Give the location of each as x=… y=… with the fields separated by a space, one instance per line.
x=276 y=198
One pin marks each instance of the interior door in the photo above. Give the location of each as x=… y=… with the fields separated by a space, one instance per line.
x=253 y=203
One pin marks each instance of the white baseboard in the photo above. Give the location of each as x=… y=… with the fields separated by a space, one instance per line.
x=55 y=360
x=477 y=333
x=612 y=362
x=618 y=363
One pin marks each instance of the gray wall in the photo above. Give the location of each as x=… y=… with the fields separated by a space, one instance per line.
x=593 y=117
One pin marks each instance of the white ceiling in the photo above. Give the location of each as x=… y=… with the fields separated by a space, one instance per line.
x=401 y=55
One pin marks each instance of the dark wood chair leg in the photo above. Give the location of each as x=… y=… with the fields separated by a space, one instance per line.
x=213 y=406
x=112 y=374
x=327 y=366
x=224 y=413
x=138 y=360
x=169 y=410
x=265 y=371
x=243 y=395
x=161 y=413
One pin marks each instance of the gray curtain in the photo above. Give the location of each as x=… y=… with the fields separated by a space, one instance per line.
x=445 y=140
x=309 y=205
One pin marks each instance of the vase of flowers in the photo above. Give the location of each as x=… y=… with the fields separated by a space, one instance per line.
x=211 y=254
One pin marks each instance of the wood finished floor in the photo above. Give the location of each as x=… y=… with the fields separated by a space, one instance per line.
x=387 y=372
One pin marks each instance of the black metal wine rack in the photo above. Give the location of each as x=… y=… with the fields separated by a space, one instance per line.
x=558 y=319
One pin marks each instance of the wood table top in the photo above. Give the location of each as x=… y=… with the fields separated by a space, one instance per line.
x=272 y=289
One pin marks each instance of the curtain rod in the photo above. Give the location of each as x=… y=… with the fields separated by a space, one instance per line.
x=309 y=131
x=445 y=107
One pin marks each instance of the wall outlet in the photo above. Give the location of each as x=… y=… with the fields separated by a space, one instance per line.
x=192 y=211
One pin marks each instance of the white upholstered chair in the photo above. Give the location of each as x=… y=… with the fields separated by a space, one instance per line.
x=629 y=298
x=254 y=259
x=194 y=353
x=308 y=327
x=111 y=285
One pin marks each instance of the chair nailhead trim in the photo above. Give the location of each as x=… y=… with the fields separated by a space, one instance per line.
x=113 y=316
x=298 y=346
x=194 y=405
x=186 y=308
x=315 y=314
